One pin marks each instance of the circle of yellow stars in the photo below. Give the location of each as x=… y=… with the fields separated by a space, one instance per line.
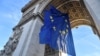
x=63 y=32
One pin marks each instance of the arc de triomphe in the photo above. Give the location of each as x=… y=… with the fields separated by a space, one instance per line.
x=25 y=38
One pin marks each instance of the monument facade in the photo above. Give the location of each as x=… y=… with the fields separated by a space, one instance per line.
x=25 y=38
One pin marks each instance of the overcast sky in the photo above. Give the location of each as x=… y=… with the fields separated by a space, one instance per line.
x=86 y=43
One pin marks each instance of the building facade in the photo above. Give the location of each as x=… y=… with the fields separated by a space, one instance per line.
x=25 y=38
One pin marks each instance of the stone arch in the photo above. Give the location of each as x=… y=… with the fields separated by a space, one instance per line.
x=76 y=9
x=77 y=12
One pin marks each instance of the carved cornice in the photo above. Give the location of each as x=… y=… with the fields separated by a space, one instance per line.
x=28 y=5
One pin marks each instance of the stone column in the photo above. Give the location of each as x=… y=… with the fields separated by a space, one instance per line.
x=94 y=10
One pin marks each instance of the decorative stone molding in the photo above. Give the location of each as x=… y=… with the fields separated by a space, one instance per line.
x=12 y=43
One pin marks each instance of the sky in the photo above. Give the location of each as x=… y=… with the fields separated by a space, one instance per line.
x=10 y=14
x=86 y=42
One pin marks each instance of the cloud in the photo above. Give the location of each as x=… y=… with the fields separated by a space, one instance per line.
x=11 y=10
x=11 y=18
x=14 y=17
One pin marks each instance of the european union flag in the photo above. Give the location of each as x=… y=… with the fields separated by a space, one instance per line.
x=56 y=31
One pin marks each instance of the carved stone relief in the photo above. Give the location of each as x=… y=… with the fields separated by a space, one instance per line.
x=12 y=43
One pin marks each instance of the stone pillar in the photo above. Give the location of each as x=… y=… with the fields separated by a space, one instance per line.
x=94 y=10
x=29 y=41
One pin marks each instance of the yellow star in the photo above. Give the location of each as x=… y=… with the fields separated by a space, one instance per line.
x=63 y=32
x=60 y=31
x=52 y=20
x=67 y=26
x=51 y=17
x=66 y=30
x=54 y=28
x=65 y=20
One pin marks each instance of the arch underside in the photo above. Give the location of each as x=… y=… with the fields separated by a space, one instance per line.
x=78 y=15
x=77 y=12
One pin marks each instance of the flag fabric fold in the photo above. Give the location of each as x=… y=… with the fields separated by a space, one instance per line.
x=56 y=31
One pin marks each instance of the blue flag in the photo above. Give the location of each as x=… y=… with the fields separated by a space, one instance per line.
x=56 y=31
